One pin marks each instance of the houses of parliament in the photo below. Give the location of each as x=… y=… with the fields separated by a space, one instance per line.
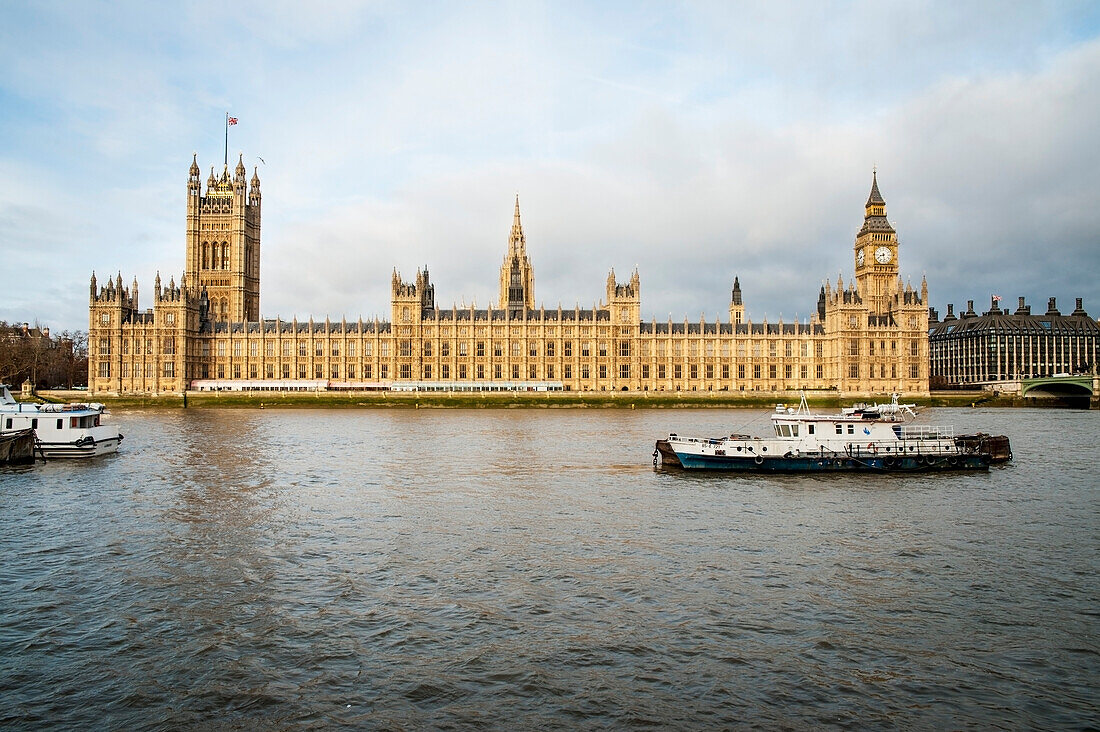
x=869 y=335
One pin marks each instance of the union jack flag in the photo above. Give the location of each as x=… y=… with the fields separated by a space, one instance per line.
x=231 y=120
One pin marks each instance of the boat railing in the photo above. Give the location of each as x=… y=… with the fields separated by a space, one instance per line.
x=70 y=407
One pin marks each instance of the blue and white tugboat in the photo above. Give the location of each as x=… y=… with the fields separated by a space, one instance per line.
x=872 y=438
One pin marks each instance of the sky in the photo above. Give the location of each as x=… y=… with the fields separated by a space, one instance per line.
x=695 y=141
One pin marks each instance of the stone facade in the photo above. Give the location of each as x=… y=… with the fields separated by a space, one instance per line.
x=869 y=336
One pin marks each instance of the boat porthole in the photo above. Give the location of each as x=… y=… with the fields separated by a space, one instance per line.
x=763 y=449
x=738 y=448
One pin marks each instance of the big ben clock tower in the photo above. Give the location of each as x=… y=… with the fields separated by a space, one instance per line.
x=876 y=252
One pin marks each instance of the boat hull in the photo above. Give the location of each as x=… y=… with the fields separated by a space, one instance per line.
x=17 y=448
x=80 y=449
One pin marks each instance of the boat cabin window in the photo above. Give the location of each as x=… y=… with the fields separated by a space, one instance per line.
x=786 y=430
x=851 y=429
x=810 y=428
x=34 y=423
x=60 y=422
x=8 y=425
x=840 y=429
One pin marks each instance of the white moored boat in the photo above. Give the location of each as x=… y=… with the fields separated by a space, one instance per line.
x=61 y=430
x=863 y=438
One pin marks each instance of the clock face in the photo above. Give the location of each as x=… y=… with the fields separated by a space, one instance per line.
x=859 y=258
x=883 y=255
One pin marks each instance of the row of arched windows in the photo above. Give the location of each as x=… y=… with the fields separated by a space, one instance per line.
x=215 y=255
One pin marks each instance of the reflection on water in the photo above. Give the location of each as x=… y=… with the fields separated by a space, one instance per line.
x=532 y=569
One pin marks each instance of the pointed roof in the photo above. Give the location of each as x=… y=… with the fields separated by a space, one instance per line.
x=875 y=197
x=873 y=221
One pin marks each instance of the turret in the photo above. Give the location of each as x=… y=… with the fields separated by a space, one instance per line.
x=737 y=307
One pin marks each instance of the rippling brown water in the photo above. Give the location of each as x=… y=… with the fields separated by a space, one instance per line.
x=504 y=569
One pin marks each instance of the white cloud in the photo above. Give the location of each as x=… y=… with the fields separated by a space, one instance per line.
x=697 y=143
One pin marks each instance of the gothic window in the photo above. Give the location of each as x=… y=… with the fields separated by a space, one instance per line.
x=445 y=348
x=550 y=348
x=302 y=348
x=515 y=371
x=205 y=255
x=318 y=349
x=624 y=371
x=406 y=316
x=225 y=255
x=480 y=349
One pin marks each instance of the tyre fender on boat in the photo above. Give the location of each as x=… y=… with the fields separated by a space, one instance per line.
x=758 y=460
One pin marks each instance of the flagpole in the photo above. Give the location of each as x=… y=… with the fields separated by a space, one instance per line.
x=227 y=139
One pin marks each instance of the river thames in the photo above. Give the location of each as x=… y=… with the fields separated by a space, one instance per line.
x=518 y=569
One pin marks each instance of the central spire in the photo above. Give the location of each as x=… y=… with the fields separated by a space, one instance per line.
x=517 y=243
x=516 y=279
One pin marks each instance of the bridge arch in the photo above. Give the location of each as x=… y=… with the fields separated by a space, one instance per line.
x=1059 y=386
